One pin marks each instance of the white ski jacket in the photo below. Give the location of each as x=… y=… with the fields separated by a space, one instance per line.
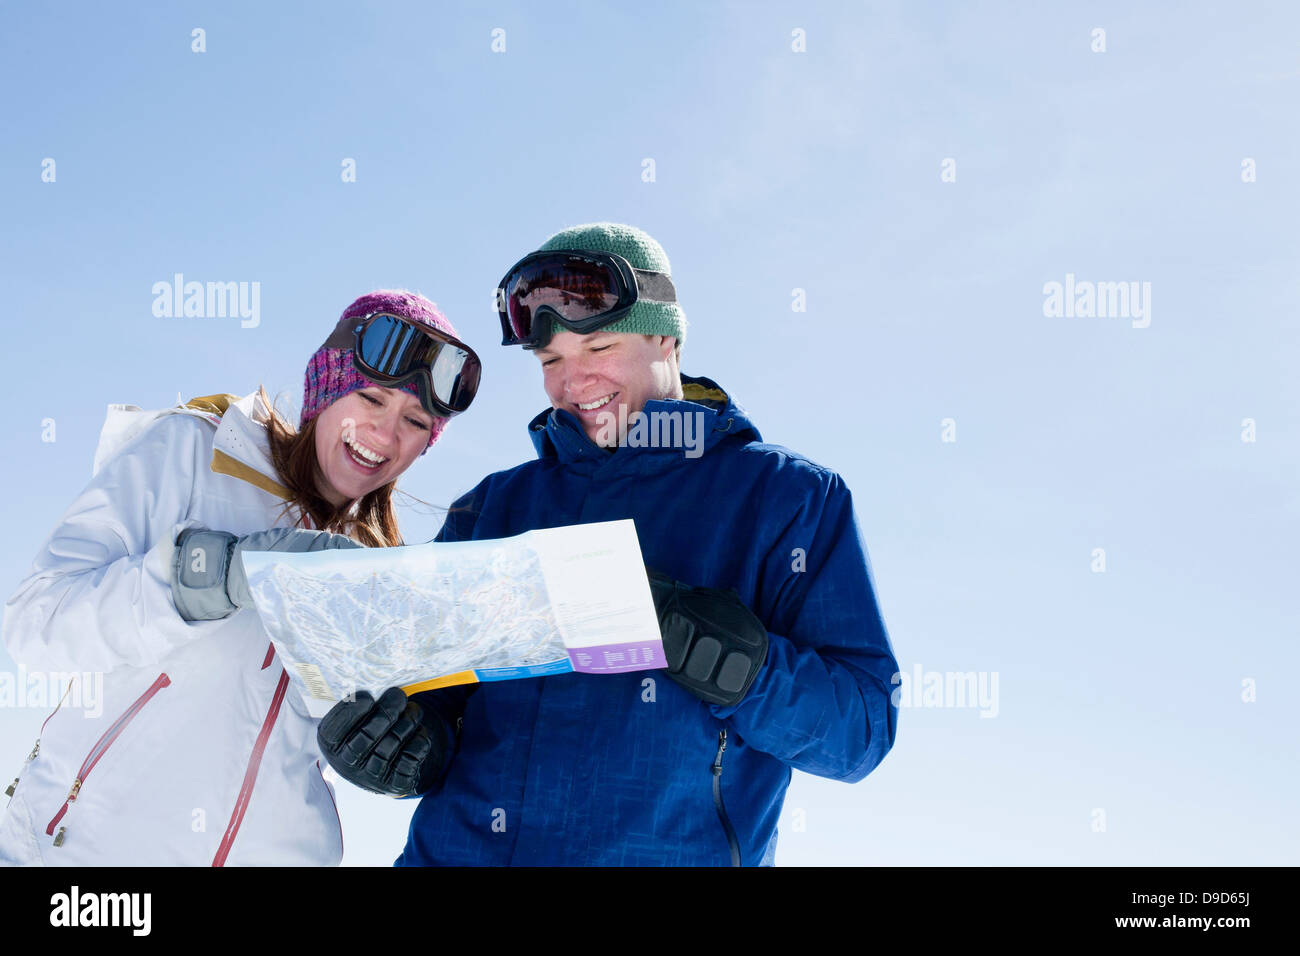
x=202 y=754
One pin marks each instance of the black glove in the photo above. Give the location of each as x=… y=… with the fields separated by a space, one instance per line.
x=391 y=745
x=715 y=646
x=208 y=580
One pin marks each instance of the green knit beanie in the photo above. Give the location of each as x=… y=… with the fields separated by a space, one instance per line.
x=645 y=318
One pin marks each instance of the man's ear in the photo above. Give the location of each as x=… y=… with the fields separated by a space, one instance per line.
x=667 y=343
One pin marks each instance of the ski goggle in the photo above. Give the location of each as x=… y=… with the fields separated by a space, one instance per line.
x=583 y=291
x=391 y=351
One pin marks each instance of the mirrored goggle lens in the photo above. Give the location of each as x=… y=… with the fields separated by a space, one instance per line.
x=394 y=349
x=576 y=289
x=454 y=376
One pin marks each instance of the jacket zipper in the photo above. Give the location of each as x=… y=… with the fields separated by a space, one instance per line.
x=101 y=746
x=250 y=774
x=36 y=749
x=717 y=799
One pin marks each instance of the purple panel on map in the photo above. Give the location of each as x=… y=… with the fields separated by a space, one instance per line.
x=618 y=658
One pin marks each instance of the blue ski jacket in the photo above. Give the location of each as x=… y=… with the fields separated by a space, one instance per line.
x=631 y=769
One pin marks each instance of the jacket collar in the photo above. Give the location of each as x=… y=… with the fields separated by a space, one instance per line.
x=558 y=434
x=241 y=448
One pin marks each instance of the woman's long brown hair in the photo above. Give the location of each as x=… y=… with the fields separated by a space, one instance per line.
x=373 y=522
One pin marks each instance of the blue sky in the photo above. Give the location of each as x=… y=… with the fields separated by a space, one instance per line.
x=775 y=170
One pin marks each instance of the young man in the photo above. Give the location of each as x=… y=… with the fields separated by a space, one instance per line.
x=778 y=657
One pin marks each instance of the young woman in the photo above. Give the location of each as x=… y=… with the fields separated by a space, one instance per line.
x=203 y=753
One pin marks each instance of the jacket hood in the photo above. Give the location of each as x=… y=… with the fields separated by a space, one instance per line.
x=714 y=417
x=240 y=425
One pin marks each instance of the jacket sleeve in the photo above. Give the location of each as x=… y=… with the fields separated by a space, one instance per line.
x=822 y=702
x=99 y=593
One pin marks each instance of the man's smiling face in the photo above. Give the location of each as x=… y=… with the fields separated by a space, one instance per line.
x=592 y=375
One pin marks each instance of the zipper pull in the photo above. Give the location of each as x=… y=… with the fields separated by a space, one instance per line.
x=72 y=798
x=9 y=791
x=722 y=745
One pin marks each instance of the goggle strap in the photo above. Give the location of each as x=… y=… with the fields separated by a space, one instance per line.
x=342 y=337
x=655 y=286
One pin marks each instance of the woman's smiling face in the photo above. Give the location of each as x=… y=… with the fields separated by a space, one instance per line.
x=366 y=439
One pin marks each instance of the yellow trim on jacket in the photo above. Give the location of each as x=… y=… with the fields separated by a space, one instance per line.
x=224 y=464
